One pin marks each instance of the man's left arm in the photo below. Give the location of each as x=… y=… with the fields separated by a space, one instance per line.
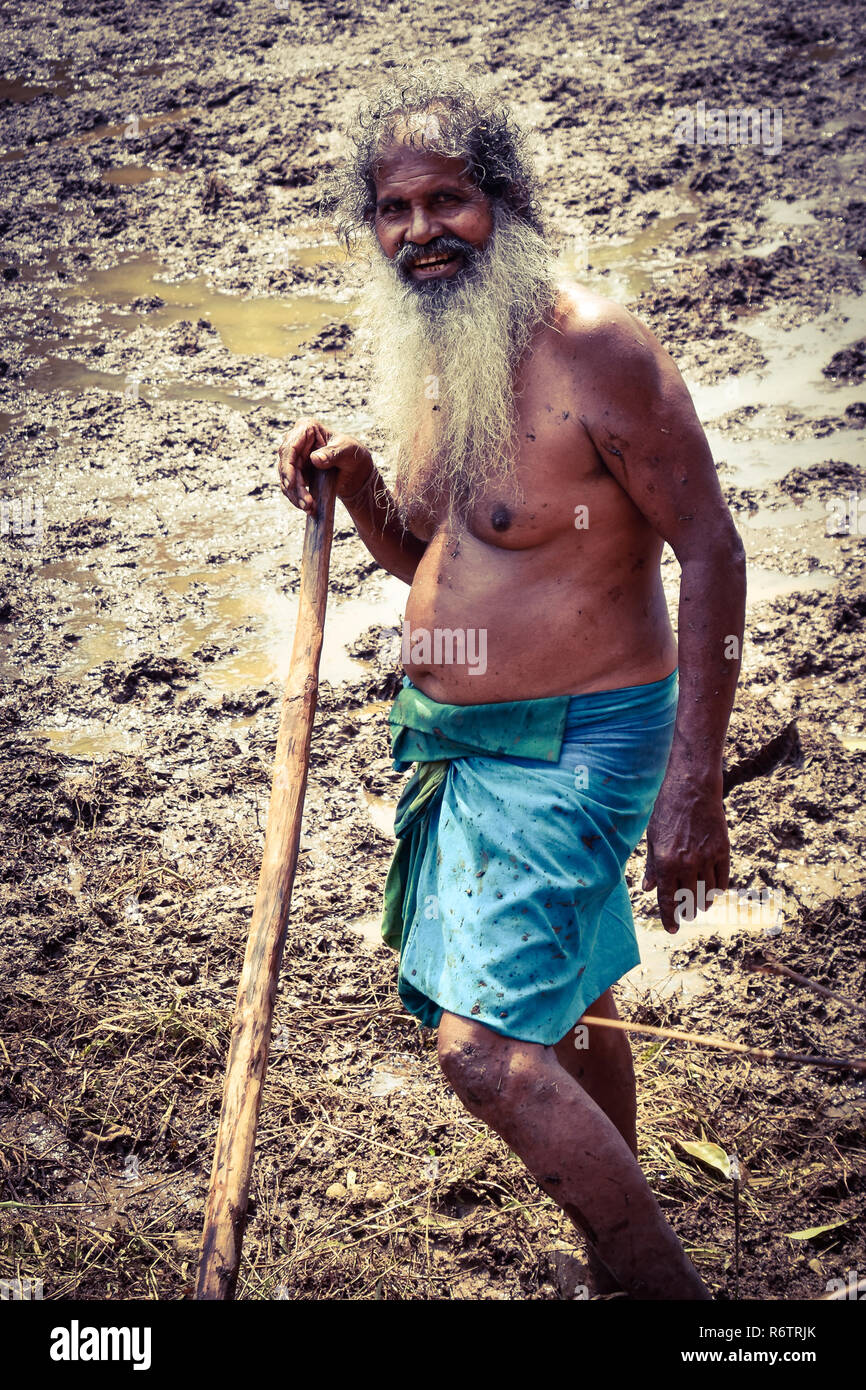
x=645 y=428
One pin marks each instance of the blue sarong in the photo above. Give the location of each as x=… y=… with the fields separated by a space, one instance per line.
x=506 y=897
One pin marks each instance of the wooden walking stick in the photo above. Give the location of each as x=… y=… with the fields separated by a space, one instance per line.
x=225 y=1216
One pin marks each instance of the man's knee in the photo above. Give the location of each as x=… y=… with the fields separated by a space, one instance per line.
x=487 y=1071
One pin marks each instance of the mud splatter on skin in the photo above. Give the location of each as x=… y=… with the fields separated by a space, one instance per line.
x=611 y=448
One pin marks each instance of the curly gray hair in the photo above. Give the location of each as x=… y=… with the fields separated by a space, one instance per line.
x=470 y=126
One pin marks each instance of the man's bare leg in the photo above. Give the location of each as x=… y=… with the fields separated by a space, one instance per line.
x=573 y=1151
x=602 y=1064
x=604 y=1068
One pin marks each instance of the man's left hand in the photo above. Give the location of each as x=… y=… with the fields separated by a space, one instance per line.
x=687 y=846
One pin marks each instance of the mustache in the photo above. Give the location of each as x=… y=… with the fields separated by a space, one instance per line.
x=446 y=245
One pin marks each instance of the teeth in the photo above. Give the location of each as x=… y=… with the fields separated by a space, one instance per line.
x=422 y=265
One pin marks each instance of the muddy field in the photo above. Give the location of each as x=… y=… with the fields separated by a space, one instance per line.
x=172 y=300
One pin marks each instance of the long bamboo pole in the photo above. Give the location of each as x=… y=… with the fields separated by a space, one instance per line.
x=225 y=1215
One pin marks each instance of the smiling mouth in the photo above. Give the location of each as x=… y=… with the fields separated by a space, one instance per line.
x=434 y=263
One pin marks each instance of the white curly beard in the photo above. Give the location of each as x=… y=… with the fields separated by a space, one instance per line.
x=455 y=348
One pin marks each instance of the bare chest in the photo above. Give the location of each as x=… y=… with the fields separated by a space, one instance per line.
x=560 y=483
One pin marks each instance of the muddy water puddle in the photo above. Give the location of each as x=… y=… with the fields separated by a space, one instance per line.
x=132 y=127
x=796 y=530
x=624 y=270
x=765 y=584
x=275 y=327
x=269 y=327
x=65 y=374
x=368 y=928
x=760 y=915
x=263 y=624
x=798 y=212
x=627 y=269
x=813 y=882
x=761 y=461
x=131 y=175
x=793 y=375
x=380 y=810
x=235 y=613
x=60 y=81
x=91 y=740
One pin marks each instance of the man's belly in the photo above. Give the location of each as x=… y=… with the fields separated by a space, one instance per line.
x=490 y=624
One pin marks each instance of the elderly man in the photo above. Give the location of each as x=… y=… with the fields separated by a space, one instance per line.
x=544 y=449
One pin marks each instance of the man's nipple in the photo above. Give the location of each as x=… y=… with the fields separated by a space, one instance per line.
x=500 y=518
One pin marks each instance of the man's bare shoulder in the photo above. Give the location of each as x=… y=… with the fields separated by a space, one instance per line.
x=599 y=333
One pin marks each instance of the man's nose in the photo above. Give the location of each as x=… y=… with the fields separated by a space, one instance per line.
x=422 y=227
